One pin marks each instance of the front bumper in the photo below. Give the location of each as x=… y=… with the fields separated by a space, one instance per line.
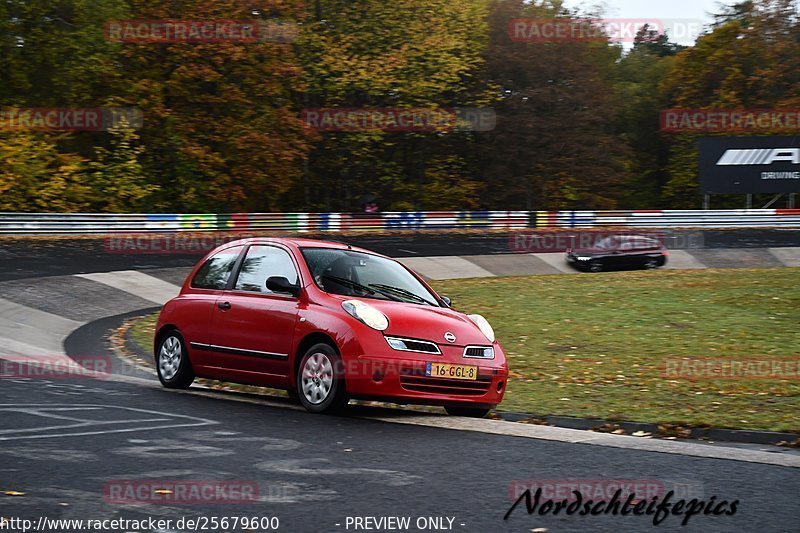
x=401 y=377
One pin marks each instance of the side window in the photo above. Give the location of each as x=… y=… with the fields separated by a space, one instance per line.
x=627 y=245
x=216 y=270
x=262 y=262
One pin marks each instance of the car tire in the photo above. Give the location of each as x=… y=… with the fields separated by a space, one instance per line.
x=173 y=366
x=320 y=380
x=470 y=412
x=595 y=266
x=651 y=264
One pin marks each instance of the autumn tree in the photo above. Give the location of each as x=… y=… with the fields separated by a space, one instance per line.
x=553 y=147
x=406 y=53
x=35 y=176
x=750 y=59
x=220 y=128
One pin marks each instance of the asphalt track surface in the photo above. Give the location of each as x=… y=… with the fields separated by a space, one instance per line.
x=66 y=443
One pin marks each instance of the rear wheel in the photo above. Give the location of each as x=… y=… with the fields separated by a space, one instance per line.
x=320 y=380
x=651 y=264
x=172 y=362
x=470 y=412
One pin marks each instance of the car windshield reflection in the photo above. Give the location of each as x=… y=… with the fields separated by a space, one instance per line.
x=351 y=273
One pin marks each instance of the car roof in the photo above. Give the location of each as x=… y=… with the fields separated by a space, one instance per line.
x=301 y=242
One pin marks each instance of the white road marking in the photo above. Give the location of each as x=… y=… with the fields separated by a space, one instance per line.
x=317 y=466
x=172 y=449
x=50 y=454
x=28 y=331
x=445 y=267
x=158 y=421
x=134 y=282
x=683 y=260
x=790 y=257
x=557 y=261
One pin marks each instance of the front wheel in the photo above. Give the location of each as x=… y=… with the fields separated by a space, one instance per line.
x=595 y=266
x=320 y=380
x=470 y=412
x=172 y=362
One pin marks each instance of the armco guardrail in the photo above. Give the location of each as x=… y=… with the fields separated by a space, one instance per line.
x=101 y=223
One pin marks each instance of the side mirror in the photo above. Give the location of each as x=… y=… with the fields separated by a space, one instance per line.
x=447 y=301
x=281 y=284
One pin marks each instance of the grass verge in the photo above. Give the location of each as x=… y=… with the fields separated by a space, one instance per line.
x=593 y=345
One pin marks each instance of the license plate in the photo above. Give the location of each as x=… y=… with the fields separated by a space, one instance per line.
x=444 y=370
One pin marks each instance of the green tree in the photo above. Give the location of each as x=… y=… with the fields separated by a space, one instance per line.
x=117 y=176
x=639 y=76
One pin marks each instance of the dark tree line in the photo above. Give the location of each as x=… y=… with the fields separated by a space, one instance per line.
x=577 y=123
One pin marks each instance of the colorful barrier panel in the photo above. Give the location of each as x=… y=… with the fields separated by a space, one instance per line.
x=100 y=223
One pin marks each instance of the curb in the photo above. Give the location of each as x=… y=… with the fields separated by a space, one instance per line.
x=695 y=433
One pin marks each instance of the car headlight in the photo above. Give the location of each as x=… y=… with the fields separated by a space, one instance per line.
x=483 y=325
x=366 y=314
x=584 y=258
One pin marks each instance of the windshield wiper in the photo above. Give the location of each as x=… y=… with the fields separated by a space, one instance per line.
x=403 y=292
x=355 y=285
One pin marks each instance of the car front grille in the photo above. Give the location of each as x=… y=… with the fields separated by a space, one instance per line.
x=413 y=345
x=445 y=386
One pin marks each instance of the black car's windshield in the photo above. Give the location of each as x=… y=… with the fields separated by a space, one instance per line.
x=609 y=243
x=352 y=273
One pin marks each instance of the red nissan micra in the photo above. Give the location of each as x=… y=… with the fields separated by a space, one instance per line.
x=327 y=322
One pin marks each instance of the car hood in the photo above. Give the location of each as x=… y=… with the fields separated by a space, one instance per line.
x=589 y=251
x=427 y=323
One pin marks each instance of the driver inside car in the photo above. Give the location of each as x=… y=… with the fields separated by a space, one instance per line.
x=336 y=276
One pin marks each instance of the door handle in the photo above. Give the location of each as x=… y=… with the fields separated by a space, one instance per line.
x=224 y=305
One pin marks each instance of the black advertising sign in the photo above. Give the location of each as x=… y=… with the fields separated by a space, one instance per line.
x=744 y=165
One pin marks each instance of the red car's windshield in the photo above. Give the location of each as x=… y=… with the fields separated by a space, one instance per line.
x=351 y=273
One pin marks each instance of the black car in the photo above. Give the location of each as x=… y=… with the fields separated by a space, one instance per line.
x=619 y=253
